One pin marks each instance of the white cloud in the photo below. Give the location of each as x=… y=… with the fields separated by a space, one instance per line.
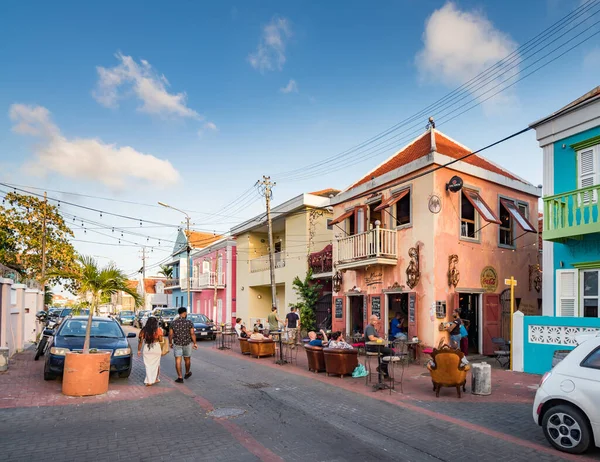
x=458 y=45
x=208 y=126
x=147 y=85
x=270 y=53
x=291 y=87
x=86 y=158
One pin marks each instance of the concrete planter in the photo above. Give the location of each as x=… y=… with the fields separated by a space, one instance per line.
x=86 y=374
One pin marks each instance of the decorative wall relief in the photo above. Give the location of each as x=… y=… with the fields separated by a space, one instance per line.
x=535 y=277
x=337 y=281
x=395 y=287
x=374 y=278
x=453 y=273
x=412 y=272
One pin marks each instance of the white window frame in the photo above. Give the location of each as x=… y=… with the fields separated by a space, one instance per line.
x=594 y=174
x=588 y=297
x=477 y=237
x=559 y=294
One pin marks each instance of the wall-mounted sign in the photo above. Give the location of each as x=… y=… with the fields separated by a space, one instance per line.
x=455 y=184
x=412 y=301
x=376 y=306
x=339 y=308
x=374 y=278
x=489 y=279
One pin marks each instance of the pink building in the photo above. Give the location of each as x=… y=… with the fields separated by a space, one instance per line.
x=213 y=281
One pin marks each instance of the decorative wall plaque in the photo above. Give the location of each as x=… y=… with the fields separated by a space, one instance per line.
x=489 y=279
x=453 y=273
x=374 y=278
x=412 y=272
x=435 y=204
x=535 y=277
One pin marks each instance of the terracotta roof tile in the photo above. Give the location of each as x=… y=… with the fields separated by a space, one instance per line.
x=150 y=285
x=326 y=192
x=132 y=284
x=200 y=240
x=421 y=147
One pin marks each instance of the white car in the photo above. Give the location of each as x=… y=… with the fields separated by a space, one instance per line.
x=567 y=403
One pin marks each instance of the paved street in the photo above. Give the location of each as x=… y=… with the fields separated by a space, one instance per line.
x=288 y=414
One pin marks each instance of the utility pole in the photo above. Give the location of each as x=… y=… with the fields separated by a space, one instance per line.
x=43 y=272
x=268 y=185
x=143 y=271
x=189 y=269
x=216 y=278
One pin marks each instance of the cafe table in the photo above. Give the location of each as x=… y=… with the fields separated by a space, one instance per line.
x=277 y=333
x=413 y=345
x=380 y=385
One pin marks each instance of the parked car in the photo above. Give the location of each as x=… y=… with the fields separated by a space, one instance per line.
x=140 y=318
x=126 y=317
x=165 y=317
x=566 y=403
x=106 y=335
x=203 y=327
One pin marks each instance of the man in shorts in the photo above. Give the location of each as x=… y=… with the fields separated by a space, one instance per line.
x=181 y=339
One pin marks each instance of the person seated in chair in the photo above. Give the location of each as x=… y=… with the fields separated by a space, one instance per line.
x=244 y=332
x=397 y=328
x=256 y=335
x=337 y=341
x=314 y=341
x=371 y=335
x=238 y=326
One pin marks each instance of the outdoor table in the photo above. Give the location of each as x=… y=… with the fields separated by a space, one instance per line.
x=228 y=338
x=379 y=385
x=412 y=346
x=280 y=361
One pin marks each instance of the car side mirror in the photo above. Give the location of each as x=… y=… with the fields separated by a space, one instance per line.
x=49 y=332
x=131 y=335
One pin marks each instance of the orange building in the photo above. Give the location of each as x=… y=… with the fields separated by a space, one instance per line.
x=415 y=238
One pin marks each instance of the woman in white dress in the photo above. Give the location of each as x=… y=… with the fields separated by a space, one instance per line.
x=150 y=337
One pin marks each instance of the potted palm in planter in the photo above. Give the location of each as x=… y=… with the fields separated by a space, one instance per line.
x=87 y=372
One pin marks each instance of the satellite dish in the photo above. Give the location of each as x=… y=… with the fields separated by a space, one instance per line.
x=455 y=184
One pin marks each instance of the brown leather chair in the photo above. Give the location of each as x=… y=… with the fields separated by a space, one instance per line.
x=446 y=369
x=340 y=361
x=316 y=359
x=244 y=346
x=259 y=348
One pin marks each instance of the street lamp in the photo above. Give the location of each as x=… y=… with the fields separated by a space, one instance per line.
x=187 y=220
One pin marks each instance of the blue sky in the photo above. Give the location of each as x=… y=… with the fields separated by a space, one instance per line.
x=209 y=97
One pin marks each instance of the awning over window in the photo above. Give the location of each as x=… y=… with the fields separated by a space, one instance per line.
x=391 y=200
x=484 y=210
x=342 y=217
x=518 y=216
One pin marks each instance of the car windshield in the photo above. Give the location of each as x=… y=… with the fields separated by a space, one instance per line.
x=168 y=313
x=197 y=318
x=126 y=313
x=66 y=312
x=76 y=328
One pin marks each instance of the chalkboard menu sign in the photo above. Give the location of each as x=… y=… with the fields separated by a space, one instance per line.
x=364 y=308
x=339 y=309
x=376 y=306
x=412 y=298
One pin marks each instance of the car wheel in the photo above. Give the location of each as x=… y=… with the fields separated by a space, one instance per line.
x=47 y=374
x=567 y=429
x=125 y=374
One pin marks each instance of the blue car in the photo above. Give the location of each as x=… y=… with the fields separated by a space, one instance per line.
x=106 y=335
x=126 y=317
x=203 y=327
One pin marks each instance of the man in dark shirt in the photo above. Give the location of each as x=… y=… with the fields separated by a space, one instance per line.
x=371 y=335
x=292 y=322
x=181 y=338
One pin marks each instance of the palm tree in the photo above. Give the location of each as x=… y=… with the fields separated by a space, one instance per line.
x=48 y=296
x=166 y=271
x=96 y=282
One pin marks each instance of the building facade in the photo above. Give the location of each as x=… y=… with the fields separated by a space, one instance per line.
x=181 y=263
x=300 y=227
x=214 y=281
x=422 y=241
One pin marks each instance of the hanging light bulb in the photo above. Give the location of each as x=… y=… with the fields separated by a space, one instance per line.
x=100 y=214
x=113 y=230
x=140 y=222
x=119 y=241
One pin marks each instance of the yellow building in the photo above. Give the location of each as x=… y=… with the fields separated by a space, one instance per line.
x=300 y=227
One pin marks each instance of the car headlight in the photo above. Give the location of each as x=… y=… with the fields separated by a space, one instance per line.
x=59 y=351
x=213 y=328
x=122 y=351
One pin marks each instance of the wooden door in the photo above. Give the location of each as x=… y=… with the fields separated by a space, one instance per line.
x=490 y=321
x=413 y=315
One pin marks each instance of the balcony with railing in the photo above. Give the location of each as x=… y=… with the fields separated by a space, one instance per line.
x=321 y=262
x=262 y=263
x=172 y=283
x=208 y=280
x=375 y=247
x=571 y=214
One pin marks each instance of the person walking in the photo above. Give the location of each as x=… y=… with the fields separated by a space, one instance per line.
x=454 y=329
x=181 y=339
x=150 y=336
x=464 y=336
x=292 y=322
x=273 y=319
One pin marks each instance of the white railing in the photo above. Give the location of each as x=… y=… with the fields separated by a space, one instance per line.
x=262 y=263
x=208 y=280
x=377 y=242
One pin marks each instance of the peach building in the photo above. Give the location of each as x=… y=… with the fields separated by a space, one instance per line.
x=414 y=238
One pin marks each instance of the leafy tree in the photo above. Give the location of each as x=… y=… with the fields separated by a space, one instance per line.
x=21 y=225
x=97 y=282
x=308 y=292
x=166 y=271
